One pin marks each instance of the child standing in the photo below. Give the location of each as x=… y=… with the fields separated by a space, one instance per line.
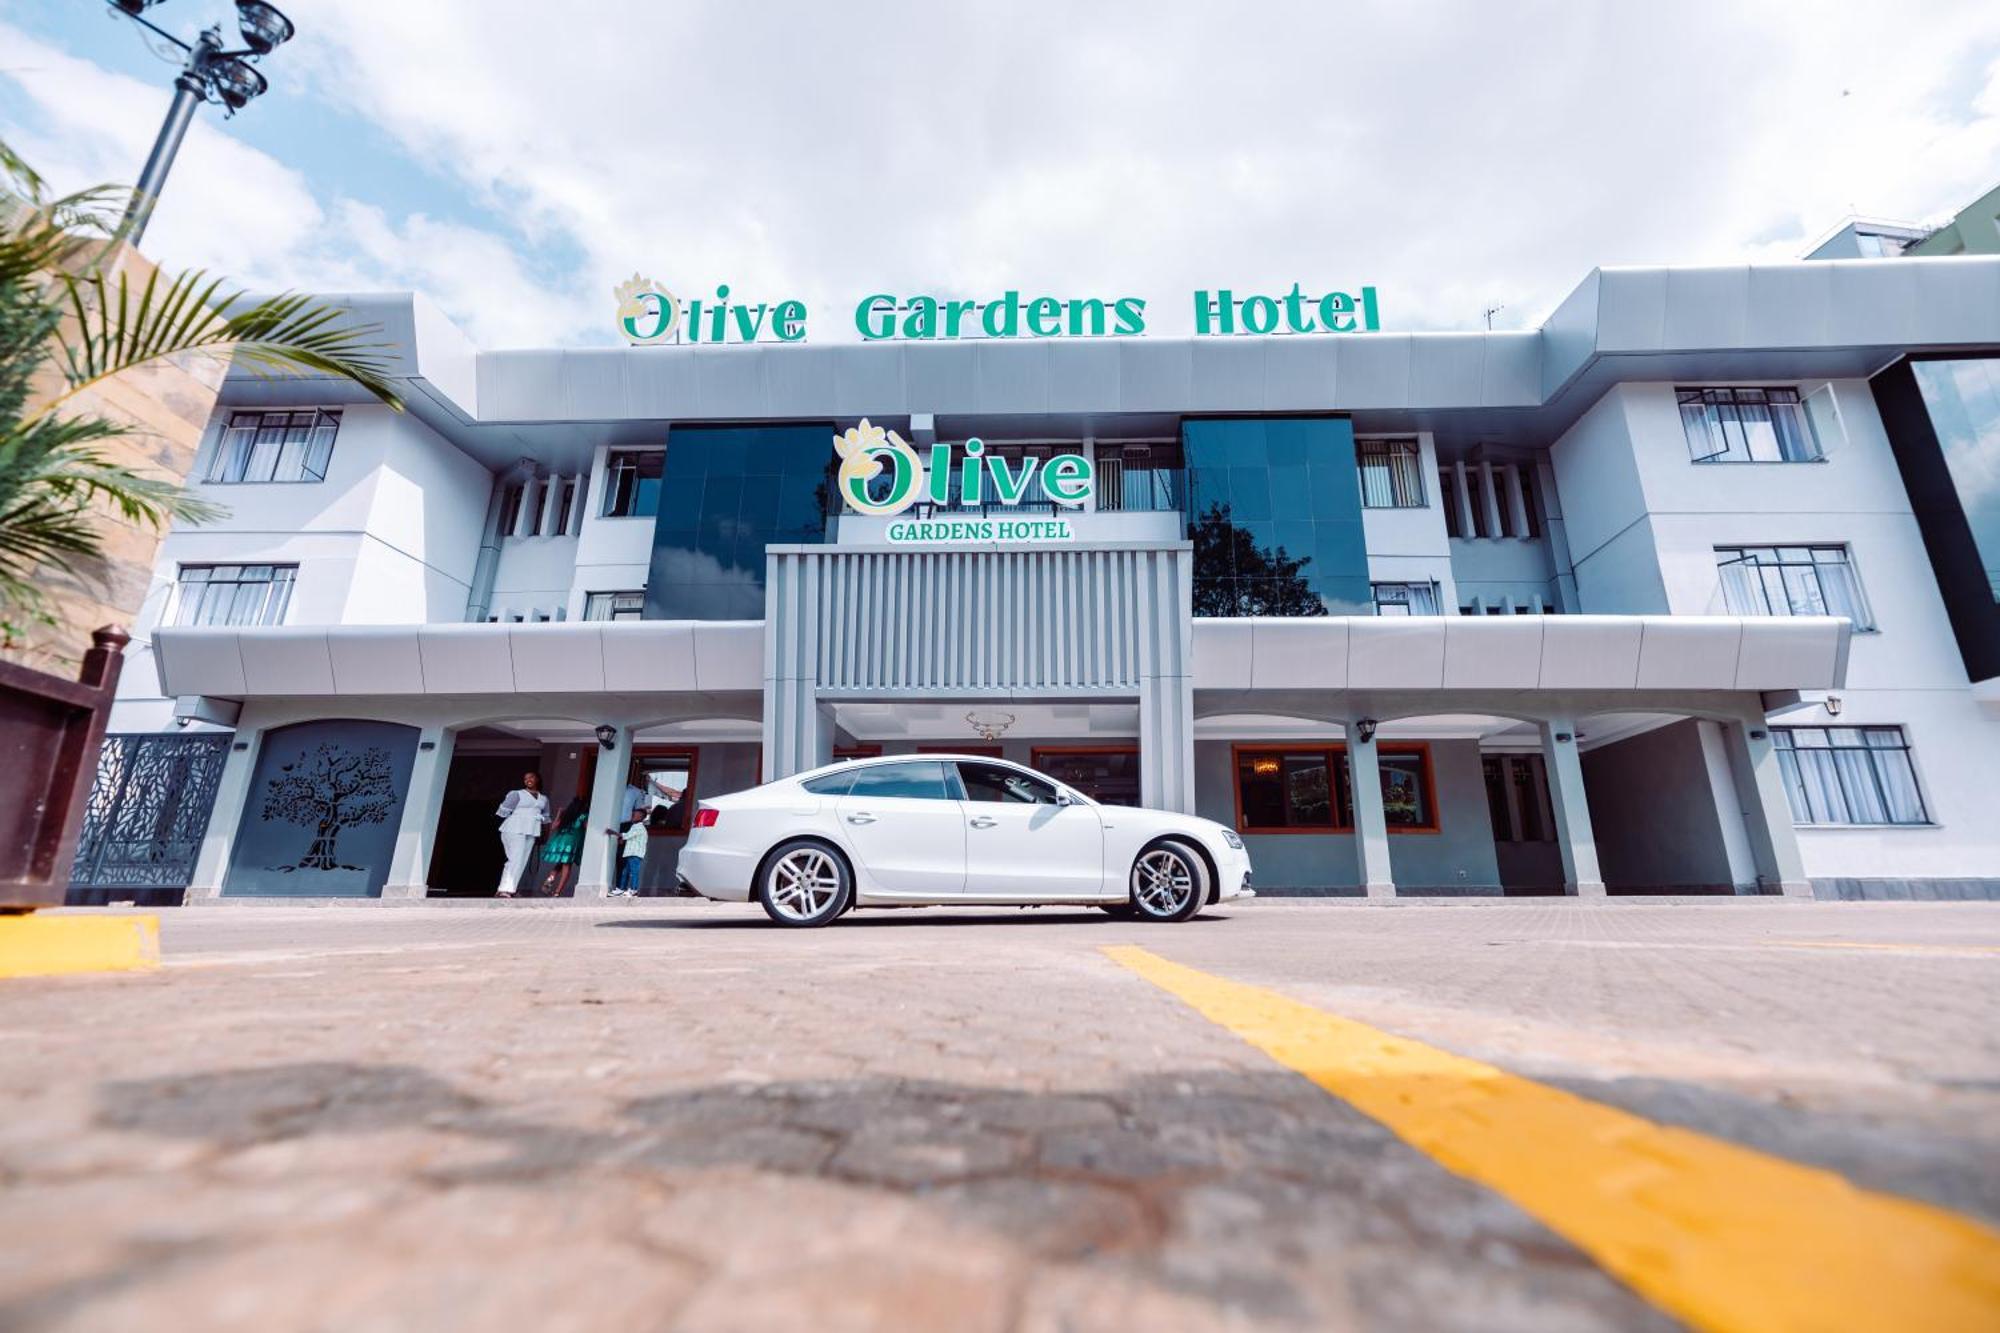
x=631 y=858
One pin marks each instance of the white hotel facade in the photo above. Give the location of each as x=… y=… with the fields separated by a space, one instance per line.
x=1691 y=589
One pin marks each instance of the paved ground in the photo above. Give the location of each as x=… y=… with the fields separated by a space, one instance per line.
x=670 y=1115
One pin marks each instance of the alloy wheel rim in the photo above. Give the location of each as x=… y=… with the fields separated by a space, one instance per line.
x=1162 y=882
x=803 y=882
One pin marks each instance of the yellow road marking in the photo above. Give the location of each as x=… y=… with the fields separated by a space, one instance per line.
x=1717 y=1235
x=1890 y=947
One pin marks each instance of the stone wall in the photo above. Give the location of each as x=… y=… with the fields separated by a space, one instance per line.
x=167 y=406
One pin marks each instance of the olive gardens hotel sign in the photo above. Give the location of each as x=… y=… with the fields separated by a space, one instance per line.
x=881 y=475
x=649 y=314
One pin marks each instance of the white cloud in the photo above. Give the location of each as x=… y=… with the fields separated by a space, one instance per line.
x=1456 y=155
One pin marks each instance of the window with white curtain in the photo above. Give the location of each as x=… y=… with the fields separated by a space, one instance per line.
x=1849 y=775
x=1392 y=475
x=615 y=606
x=233 y=594
x=1405 y=599
x=1791 y=581
x=1746 y=426
x=275 y=446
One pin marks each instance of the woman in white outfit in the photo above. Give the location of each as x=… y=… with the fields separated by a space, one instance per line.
x=523 y=816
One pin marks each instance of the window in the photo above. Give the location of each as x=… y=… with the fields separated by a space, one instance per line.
x=993 y=783
x=1746 y=426
x=614 y=606
x=1108 y=775
x=1517 y=797
x=831 y=784
x=275 y=446
x=1405 y=599
x=1849 y=775
x=565 y=505
x=1791 y=581
x=234 y=594
x=1305 y=790
x=921 y=781
x=632 y=483
x=510 y=508
x=1290 y=791
x=1391 y=474
x=1406 y=790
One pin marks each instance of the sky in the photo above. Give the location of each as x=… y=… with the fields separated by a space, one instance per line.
x=516 y=159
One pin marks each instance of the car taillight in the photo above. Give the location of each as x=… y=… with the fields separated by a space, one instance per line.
x=704 y=817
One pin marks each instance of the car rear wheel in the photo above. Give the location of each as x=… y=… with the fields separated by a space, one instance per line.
x=804 y=883
x=1169 y=882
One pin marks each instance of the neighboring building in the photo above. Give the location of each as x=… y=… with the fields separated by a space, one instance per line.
x=1869 y=238
x=1692 y=588
x=1974 y=231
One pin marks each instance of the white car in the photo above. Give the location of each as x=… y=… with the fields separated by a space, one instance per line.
x=929 y=830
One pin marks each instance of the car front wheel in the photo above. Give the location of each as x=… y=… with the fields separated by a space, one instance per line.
x=805 y=883
x=1169 y=882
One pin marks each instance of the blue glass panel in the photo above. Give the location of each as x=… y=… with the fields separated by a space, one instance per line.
x=1963 y=398
x=1261 y=484
x=727 y=493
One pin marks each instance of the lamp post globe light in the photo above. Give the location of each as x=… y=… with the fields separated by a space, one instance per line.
x=209 y=73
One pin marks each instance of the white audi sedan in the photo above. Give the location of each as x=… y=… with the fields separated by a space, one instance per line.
x=929 y=830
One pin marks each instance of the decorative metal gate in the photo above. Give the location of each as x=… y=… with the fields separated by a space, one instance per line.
x=147 y=813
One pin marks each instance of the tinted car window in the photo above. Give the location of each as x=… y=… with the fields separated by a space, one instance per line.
x=830 y=784
x=991 y=782
x=924 y=781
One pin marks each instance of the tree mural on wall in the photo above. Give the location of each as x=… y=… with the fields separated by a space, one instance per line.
x=1234 y=576
x=329 y=788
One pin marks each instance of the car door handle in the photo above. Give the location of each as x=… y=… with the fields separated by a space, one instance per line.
x=984 y=821
x=861 y=817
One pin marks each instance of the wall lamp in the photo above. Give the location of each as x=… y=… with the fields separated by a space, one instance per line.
x=607 y=736
x=1365 y=728
x=1832 y=705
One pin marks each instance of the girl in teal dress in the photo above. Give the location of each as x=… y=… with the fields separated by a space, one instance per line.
x=564 y=847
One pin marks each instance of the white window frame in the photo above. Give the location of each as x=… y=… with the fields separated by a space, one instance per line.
x=269 y=609
x=608 y=602
x=245 y=434
x=1863 y=618
x=1785 y=742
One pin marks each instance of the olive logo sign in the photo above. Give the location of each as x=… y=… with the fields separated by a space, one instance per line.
x=647 y=312
x=864 y=452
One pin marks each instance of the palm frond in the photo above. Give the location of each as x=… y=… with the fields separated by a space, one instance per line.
x=118 y=329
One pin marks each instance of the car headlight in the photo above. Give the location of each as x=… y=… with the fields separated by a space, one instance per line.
x=1229 y=836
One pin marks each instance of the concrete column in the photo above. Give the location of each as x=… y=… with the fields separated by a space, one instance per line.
x=1166 y=744
x=551 y=500
x=1730 y=815
x=416 y=836
x=1581 y=876
x=1767 y=815
x=1517 y=500
x=232 y=791
x=524 y=517
x=1371 y=826
x=1489 y=498
x=580 y=485
x=598 y=870
x=1464 y=496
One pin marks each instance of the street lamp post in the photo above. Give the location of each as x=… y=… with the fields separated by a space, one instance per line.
x=209 y=73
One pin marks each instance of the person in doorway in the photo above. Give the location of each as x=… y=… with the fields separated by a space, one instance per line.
x=631 y=858
x=523 y=817
x=565 y=847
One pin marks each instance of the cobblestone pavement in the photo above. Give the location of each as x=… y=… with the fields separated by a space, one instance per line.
x=672 y=1115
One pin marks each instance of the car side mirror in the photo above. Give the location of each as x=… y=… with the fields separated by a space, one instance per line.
x=1064 y=798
